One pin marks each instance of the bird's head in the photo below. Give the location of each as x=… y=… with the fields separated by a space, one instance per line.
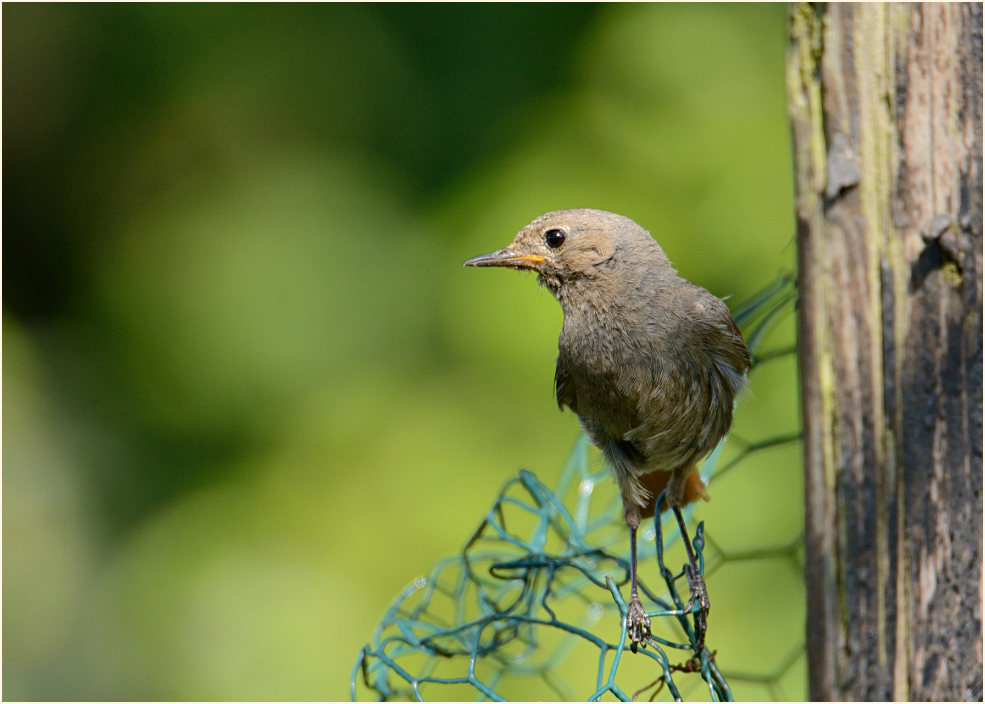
x=565 y=245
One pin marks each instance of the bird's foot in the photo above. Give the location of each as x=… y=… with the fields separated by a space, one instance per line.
x=637 y=623
x=699 y=596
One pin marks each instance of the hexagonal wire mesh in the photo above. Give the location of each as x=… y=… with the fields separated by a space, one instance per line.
x=531 y=608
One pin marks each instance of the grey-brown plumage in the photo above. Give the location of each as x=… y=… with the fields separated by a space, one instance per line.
x=650 y=362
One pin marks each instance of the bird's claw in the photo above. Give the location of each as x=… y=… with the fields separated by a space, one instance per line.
x=699 y=595
x=637 y=623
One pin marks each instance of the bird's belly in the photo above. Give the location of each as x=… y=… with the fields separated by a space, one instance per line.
x=662 y=426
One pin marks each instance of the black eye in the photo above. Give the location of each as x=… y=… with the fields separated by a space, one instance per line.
x=554 y=238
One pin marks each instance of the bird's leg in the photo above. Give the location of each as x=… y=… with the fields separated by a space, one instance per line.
x=637 y=622
x=696 y=585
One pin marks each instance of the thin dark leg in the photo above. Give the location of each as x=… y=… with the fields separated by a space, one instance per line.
x=696 y=583
x=637 y=622
x=632 y=562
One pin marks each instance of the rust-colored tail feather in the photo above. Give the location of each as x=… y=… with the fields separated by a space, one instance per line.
x=655 y=482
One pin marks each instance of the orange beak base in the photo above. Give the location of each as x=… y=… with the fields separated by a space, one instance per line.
x=508 y=258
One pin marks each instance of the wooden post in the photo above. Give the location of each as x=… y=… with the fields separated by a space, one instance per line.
x=886 y=110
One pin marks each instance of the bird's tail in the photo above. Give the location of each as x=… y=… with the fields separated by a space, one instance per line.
x=655 y=482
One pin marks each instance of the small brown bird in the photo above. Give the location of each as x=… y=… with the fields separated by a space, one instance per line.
x=650 y=362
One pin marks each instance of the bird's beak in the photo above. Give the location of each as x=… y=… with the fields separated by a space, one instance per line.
x=506 y=257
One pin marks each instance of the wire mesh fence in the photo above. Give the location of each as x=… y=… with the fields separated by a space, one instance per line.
x=532 y=608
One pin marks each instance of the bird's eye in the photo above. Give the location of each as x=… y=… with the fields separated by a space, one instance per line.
x=554 y=238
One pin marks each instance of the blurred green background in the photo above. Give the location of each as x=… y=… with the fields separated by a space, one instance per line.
x=249 y=391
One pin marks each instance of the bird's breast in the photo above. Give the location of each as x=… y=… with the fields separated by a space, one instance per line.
x=636 y=386
x=607 y=378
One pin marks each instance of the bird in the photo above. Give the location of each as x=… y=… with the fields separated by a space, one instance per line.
x=650 y=363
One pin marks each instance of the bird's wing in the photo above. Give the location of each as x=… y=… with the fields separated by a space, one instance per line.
x=723 y=332
x=740 y=343
x=563 y=390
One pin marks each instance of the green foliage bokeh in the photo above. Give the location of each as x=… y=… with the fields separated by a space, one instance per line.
x=249 y=390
